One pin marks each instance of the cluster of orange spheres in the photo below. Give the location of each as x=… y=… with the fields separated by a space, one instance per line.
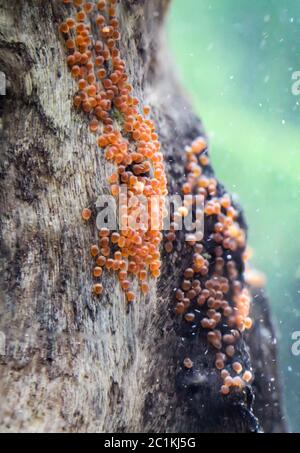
x=127 y=136
x=211 y=294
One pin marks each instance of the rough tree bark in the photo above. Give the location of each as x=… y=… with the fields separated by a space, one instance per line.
x=73 y=363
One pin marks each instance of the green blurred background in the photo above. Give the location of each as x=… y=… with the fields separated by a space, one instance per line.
x=236 y=59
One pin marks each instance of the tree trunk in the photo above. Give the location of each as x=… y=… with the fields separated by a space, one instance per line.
x=72 y=362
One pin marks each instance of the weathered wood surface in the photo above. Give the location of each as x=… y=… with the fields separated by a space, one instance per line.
x=73 y=363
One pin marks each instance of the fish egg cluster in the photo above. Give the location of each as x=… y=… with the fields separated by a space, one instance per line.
x=127 y=137
x=212 y=297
